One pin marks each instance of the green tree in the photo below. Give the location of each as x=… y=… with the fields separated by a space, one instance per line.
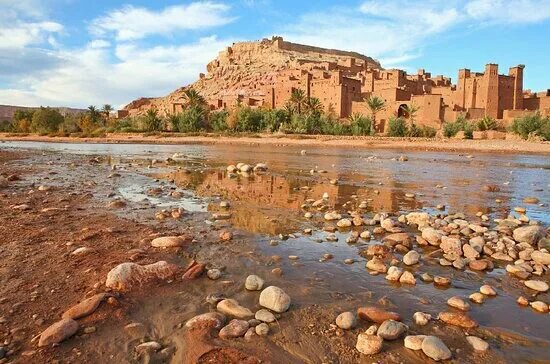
x=410 y=113
x=192 y=119
x=314 y=106
x=107 y=109
x=298 y=99
x=152 y=121
x=46 y=120
x=94 y=114
x=359 y=124
x=375 y=104
x=193 y=98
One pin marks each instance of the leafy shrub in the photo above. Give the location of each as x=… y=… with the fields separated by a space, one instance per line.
x=397 y=127
x=460 y=124
x=360 y=125
x=487 y=123
x=152 y=121
x=249 y=119
x=192 y=119
x=218 y=120
x=273 y=119
x=532 y=125
x=46 y=120
x=6 y=126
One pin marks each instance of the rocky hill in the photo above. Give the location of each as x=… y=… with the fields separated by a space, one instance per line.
x=245 y=67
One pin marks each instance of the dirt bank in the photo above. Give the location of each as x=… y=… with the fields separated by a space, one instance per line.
x=450 y=145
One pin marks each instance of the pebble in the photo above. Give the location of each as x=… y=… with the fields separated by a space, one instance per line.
x=407 y=278
x=148 y=347
x=372 y=330
x=459 y=303
x=369 y=344
x=232 y=307
x=265 y=316
x=235 y=328
x=275 y=299
x=346 y=320
x=539 y=306
x=477 y=343
x=522 y=301
x=457 y=319
x=477 y=297
x=213 y=319
x=394 y=273
x=411 y=258
x=169 y=242
x=487 y=290
x=391 y=330
x=414 y=342
x=436 y=349
x=214 y=274
x=539 y=286
x=377 y=315
x=262 y=329
x=254 y=283
x=442 y=281
x=421 y=318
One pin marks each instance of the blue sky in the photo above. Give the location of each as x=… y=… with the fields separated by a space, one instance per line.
x=77 y=53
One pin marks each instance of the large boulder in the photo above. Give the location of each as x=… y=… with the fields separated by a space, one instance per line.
x=126 y=275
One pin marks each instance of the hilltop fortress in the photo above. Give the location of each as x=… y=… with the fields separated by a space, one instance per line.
x=264 y=74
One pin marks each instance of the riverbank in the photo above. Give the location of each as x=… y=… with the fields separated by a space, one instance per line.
x=449 y=145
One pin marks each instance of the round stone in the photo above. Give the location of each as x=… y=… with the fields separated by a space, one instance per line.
x=539 y=286
x=275 y=299
x=436 y=349
x=346 y=320
x=254 y=283
x=262 y=329
x=391 y=330
x=369 y=344
x=477 y=343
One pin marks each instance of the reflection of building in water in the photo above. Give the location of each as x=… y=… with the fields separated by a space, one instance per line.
x=286 y=192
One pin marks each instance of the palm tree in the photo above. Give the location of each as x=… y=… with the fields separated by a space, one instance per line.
x=298 y=98
x=288 y=107
x=375 y=104
x=314 y=105
x=410 y=112
x=192 y=97
x=107 y=109
x=94 y=113
x=152 y=121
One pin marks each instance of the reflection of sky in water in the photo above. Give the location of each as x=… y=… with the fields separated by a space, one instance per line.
x=518 y=176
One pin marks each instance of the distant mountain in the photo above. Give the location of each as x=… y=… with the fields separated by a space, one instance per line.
x=7 y=111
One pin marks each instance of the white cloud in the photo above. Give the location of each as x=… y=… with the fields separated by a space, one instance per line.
x=89 y=75
x=23 y=34
x=131 y=23
x=509 y=11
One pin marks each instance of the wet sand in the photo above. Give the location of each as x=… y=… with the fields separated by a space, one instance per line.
x=41 y=278
x=449 y=145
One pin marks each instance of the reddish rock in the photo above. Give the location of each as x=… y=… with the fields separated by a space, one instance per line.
x=478 y=264
x=457 y=319
x=376 y=314
x=58 y=332
x=86 y=307
x=194 y=271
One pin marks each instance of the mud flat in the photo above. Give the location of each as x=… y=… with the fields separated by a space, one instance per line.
x=257 y=253
x=451 y=145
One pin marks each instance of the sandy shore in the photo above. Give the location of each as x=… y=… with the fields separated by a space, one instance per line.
x=496 y=146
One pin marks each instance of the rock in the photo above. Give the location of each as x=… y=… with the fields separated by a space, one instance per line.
x=126 y=275
x=459 y=303
x=232 y=307
x=194 y=270
x=331 y=216
x=457 y=319
x=421 y=318
x=451 y=246
x=387 y=224
x=394 y=273
x=262 y=329
x=369 y=344
x=275 y=299
x=420 y=219
x=442 y=281
x=210 y=319
x=169 y=242
x=477 y=343
x=391 y=330
x=487 y=290
x=235 y=328
x=528 y=234
x=539 y=286
x=522 y=301
x=398 y=238
x=435 y=349
x=470 y=252
x=214 y=274
x=502 y=256
x=377 y=315
x=539 y=306
x=59 y=331
x=254 y=322
x=477 y=297
x=250 y=334
x=377 y=265
x=478 y=265
x=432 y=236
x=86 y=307
x=344 y=223
x=541 y=257
x=148 y=347
x=265 y=316
x=254 y=283
x=414 y=342
x=407 y=278
x=411 y=258
x=426 y=277
x=346 y=320
x=372 y=330
x=2 y=349
x=82 y=251
x=226 y=235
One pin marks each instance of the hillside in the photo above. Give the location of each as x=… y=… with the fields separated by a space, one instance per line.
x=245 y=68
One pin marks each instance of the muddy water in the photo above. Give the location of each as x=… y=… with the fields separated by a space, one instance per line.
x=269 y=204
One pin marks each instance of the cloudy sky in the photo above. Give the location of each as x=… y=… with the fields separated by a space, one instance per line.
x=80 y=52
